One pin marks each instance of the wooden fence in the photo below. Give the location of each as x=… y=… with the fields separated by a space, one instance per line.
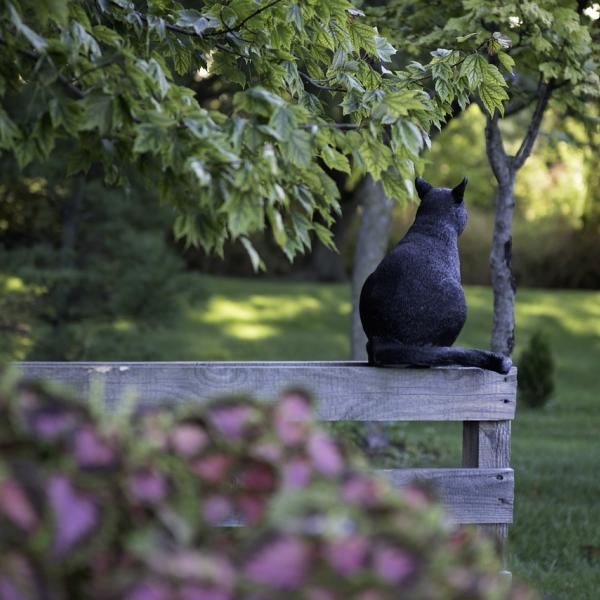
x=480 y=491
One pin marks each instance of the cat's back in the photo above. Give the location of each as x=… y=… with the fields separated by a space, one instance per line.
x=415 y=294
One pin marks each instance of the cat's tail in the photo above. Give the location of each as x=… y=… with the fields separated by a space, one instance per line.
x=386 y=351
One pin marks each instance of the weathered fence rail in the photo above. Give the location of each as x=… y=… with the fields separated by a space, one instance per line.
x=481 y=491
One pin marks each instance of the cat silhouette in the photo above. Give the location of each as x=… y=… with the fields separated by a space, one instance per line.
x=413 y=307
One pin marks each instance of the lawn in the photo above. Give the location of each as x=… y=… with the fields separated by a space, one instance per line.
x=555 y=540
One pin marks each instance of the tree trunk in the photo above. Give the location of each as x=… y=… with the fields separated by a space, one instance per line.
x=503 y=283
x=371 y=243
x=326 y=264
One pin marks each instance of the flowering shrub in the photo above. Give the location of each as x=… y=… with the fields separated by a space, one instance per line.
x=90 y=508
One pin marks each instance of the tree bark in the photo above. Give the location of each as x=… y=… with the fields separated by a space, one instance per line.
x=503 y=283
x=505 y=169
x=371 y=243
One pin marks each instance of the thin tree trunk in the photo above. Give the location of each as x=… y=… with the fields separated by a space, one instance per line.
x=503 y=283
x=371 y=243
x=505 y=168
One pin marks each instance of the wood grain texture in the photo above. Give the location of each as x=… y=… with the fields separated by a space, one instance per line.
x=469 y=495
x=344 y=391
x=486 y=445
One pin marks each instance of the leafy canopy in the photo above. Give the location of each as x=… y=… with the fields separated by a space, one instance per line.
x=552 y=42
x=312 y=89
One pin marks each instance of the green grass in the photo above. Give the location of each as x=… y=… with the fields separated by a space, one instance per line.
x=555 y=539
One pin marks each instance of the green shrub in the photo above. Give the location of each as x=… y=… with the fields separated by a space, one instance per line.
x=123 y=508
x=536 y=371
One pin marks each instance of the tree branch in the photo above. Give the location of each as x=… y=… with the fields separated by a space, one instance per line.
x=239 y=25
x=494 y=146
x=318 y=85
x=65 y=81
x=543 y=95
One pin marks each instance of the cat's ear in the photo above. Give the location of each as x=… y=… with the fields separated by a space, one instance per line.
x=458 y=193
x=422 y=187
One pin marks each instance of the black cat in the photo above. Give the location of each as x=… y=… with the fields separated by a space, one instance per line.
x=412 y=307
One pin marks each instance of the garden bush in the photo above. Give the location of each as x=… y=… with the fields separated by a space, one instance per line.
x=536 y=371
x=102 y=507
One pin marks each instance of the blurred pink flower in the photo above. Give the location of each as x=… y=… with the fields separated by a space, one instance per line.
x=291 y=414
x=196 y=592
x=325 y=454
x=187 y=439
x=252 y=508
x=148 y=485
x=282 y=563
x=91 y=450
x=76 y=515
x=257 y=476
x=230 y=420
x=51 y=425
x=347 y=555
x=296 y=473
x=361 y=489
x=150 y=591
x=393 y=565
x=16 y=506
x=212 y=468
x=216 y=509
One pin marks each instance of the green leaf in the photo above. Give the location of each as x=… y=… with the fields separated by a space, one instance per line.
x=463 y=38
x=255 y=259
x=283 y=122
x=383 y=49
x=325 y=236
x=335 y=160
x=36 y=40
x=196 y=21
x=97 y=112
x=506 y=60
x=9 y=132
x=202 y=175
x=157 y=73
x=503 y=40
x=474 y=68
x=298 y=148
x=149 y=138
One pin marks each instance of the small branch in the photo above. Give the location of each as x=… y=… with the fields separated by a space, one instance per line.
x=494 y=146
x=352 y=126
x=543 y=95
x=65 y=81
x=318 y=85
x=239 y=25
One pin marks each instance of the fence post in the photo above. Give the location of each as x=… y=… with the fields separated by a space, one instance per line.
x=486 y=444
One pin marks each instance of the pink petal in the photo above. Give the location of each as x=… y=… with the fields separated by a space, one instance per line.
x=325 y=454
x=16 y=506
x=188 y=440
x=347 y=556
x=148 y=485
x=283 y=563
x=91 y=450
x=393 y=565
x=76 y=515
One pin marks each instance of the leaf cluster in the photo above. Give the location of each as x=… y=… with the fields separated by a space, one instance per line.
x=116 y=83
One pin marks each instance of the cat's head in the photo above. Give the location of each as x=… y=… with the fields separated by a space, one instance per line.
x=443 y=204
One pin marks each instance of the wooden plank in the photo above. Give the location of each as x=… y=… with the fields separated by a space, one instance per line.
x=487 y=445
x=345 y=391
x=469 y=495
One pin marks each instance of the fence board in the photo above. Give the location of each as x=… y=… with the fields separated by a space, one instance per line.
x=469 y=495
x=345 y=390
